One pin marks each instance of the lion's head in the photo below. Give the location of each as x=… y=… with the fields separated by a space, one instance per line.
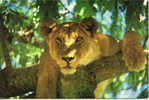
x=71 y=44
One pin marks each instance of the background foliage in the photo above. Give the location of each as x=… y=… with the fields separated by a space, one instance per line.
x=115 y=17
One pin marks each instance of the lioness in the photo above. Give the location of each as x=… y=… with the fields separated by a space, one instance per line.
x=75 y=44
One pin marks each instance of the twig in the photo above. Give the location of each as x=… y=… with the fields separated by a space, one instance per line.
x=91 y=2
x=145 y=41
x=68 y=11
x=130 y=87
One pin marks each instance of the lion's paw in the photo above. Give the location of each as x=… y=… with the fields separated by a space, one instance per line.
x=133 y=53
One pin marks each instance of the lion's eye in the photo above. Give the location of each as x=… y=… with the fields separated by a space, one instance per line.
x=79 y=39
x=58 y=40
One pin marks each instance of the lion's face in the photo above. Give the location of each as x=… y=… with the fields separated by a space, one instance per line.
x=71 y=46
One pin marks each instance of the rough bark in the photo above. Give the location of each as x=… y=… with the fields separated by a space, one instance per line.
x=4 y=44
x=19 y=81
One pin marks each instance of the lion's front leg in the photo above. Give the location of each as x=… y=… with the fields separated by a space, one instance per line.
x=46 y=88
x=47 y=77
x=133 y=52
x=98 y=92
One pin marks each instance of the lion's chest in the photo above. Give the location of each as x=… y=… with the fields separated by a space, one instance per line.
x=80 y=85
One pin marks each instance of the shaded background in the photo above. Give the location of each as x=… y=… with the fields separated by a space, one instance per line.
x=25 y=44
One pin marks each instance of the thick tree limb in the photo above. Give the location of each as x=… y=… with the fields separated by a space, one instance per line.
x=109 y=67
x=23 y=80
x=18 y=81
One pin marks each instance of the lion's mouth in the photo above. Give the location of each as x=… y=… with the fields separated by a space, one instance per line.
x=67 y=66
x=68 y=70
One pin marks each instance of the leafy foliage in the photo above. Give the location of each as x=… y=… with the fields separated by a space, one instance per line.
x=114 y=17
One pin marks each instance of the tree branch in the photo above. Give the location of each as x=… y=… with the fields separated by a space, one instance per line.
x=3 y=44
x=68 y=11
x=18 y=81
x=23 y=80
x=27 y=39
x=145 y=41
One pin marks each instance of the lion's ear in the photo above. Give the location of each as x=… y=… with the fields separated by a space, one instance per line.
x=46 y=26
x=90 y=24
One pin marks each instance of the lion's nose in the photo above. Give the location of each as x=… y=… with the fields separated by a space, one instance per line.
x=67 y=59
